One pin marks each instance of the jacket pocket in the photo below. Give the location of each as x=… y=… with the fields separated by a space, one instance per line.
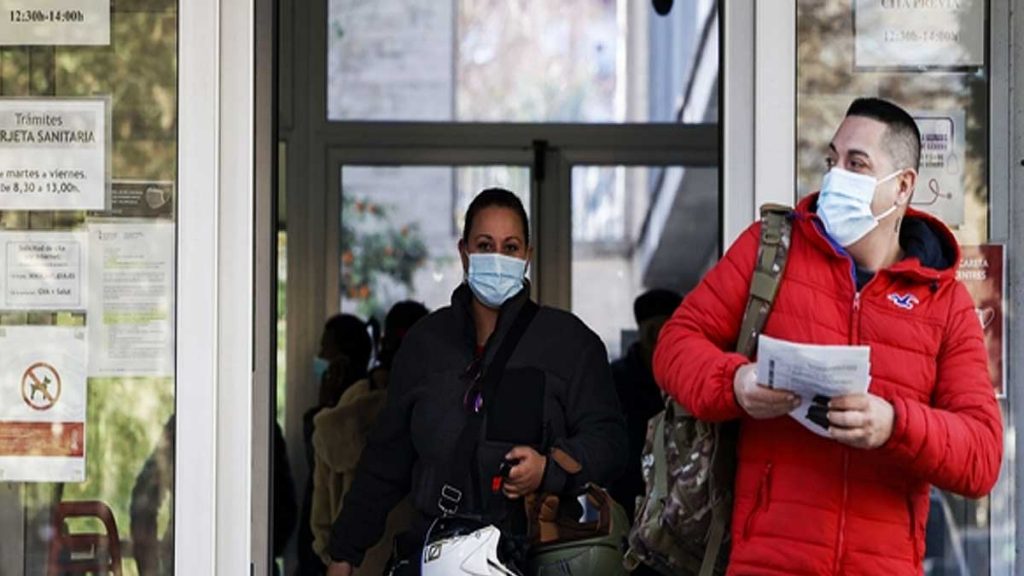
x=761 y=500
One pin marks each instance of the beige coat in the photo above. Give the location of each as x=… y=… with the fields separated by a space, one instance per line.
x=339 y=436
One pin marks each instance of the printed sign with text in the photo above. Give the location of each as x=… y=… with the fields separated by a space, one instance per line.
x=54 y=22
x=982 y=271
x=919 y=34
x=54 y=154
x=43 y=271
x=940 y=179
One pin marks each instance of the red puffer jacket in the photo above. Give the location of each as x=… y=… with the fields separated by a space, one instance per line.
x=810 y=505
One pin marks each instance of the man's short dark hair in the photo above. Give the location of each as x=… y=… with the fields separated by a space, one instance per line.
x=656 y=302
x=902 y=139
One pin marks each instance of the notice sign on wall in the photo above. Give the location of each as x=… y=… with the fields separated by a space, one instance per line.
x=131 y=313
x=42 y=403
x=940 y=180
x=919 y=33
x=54 y=22
x=982 y=271
x=53 y=154
x=43 y=271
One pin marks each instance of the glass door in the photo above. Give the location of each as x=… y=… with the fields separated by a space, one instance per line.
x=636 y=229
x=400 y=226
x=88 y=229
x=948 y=66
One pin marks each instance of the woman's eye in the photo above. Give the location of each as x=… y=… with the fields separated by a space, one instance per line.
x=484 y=247
x=511 y=248
x=829 y=163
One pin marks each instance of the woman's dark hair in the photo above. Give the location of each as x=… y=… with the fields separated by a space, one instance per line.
x=350 y=336
x=500 y=198
x=399 y=320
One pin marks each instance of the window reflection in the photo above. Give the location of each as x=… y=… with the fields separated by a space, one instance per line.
x=124 y=507
x=847 y=49
x=534 y=61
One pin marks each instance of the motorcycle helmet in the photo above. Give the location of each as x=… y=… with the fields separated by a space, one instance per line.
x=456 y=546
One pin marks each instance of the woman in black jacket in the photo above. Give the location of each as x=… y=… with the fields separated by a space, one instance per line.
x=551 y=423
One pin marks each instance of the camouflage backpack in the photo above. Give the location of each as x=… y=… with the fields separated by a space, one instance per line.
x=682 y=521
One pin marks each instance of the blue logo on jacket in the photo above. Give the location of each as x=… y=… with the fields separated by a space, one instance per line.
x=905 y=301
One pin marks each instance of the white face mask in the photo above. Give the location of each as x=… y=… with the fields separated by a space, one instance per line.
x=844 y=204
x=494 y=278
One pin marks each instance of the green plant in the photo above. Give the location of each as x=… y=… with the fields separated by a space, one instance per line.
x=375 y=252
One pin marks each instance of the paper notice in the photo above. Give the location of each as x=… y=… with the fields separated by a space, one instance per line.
x=42 y=403
x=54 y=153
x=131 y=313
x=54 y=22
x=812 y=370
x=42 y=271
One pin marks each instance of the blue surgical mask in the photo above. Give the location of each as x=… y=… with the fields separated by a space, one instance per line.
x=844 y=204
x=320 y=366
x=494 y=278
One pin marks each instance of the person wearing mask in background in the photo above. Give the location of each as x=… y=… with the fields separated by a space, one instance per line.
x=863 y=269
x=345 y=350
x=340 y=435
x=638 y=393
x=553 y=417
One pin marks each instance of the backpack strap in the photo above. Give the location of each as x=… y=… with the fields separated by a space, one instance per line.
x=462 y=459
x=776 y=231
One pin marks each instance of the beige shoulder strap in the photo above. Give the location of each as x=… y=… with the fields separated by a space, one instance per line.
x=776 y=230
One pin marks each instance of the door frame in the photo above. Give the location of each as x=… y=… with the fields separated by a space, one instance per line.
x=317 y=147
x=216 y=299
x=772 y=26
x=549 y=150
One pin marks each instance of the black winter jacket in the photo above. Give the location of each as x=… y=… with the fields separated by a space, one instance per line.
x=410 y=449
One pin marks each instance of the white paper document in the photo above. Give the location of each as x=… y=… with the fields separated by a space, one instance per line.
x=42 y=403
x=811 y=370
x=131 y=313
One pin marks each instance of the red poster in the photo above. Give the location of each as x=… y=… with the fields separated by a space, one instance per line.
x=981 y=270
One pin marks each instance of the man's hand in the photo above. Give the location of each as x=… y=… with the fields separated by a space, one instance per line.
x=339 y=569
x=526 y=476
x=860 y=420
x=760 y=401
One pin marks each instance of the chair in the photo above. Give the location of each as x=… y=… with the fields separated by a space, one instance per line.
x=84 y=552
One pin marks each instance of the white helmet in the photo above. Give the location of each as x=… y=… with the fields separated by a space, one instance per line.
x=462 y=549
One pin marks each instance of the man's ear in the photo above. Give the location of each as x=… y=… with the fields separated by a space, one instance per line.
x=907 y=181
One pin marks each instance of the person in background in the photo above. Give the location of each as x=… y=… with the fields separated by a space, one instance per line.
x=639 y=394
x=340 y=435
x=399 y=320
x=866 y=269
x=345 y=350
x=154 y=555
x=553 y=422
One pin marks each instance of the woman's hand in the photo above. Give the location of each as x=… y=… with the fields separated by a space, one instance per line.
x=527 y=474
x=339 y=569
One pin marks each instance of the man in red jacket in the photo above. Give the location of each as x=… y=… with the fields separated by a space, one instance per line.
x=863 y=269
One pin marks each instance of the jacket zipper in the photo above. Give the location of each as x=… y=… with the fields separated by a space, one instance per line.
x=854 y=339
